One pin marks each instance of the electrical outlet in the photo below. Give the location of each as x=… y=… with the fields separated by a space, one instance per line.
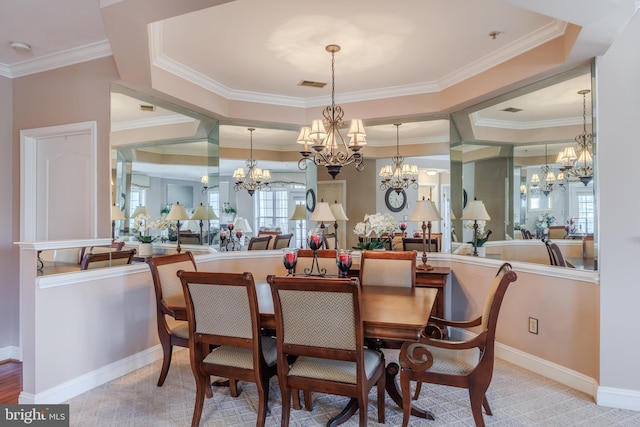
x=533 y=325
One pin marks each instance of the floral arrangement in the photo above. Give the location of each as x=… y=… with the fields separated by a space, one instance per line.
x=374 y=226
x=542 y=224
x=141 y=224
x=570 y=226
x=482 y=237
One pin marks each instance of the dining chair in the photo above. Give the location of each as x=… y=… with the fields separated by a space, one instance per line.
x=224 y=335
x=555 y=255
x=415 y=244
x=282 y=241
x=465 y=364
x=169 y=295
x=557 y=232
x=259 y=243
x=588 y=248
x=273 y=234
x=320 y=342
x=388 y=268
x=329 y=241
x=326 y=261
x=106 y=259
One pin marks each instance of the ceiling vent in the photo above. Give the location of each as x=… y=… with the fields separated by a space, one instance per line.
x=512 y=110
x=309 y=83
x=147 y=108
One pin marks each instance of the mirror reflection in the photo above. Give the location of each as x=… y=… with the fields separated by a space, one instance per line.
x=528 y=156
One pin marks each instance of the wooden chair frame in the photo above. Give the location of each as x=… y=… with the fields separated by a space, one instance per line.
x=369 y=256
x=120 y=258
x=288 y=351
x=282 y=241
x=259 y=242
x=416 y=358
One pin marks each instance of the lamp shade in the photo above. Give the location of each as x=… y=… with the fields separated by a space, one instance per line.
x=242 y=224
x=116 y=213
x=300 y=213
x=211 y=213
x=453 y=216
x=140 y=210
x=338 y=212
x=200 y=213
x=475 y=210
x=426 y=211
x=322 y=213
x=177 y=213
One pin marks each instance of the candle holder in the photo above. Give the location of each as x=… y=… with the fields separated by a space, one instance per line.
x=392 y=235
x=403 y=227
x=230 y=241
x=315 y=242
x=290 y=259
x=344 y=262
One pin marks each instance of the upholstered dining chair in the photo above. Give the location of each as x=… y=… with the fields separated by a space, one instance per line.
x=557 y=232
x=320 y=342
x=588 y=247
x=169 y=294
x=465 y=364
x=273 y=234
x=282 y=241
x=222 y=313
x=106 y=259
x=326 y=261
x=388 y=268
x=329 y=241
x=555 y=255
x=259 y=243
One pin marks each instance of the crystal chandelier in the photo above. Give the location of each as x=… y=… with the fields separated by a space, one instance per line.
x=549 y=182
x=582 y=166
x=398 y=175
x=255 y=178
x=329 y=147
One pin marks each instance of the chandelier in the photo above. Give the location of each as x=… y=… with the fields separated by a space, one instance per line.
x=549 y=182
x=255 y=178
x=329 y=147
x=582 y=165
x=398 y=175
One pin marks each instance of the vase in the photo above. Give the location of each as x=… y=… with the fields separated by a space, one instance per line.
x=145 y=249
x=482 y=251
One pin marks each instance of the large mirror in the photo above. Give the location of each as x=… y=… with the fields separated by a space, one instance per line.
x=523 y=155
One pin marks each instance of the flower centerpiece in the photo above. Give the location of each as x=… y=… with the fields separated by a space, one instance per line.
x=542 y=224
x=482 y=237
x=141 y=225
x=374 y=226
x=166 y=227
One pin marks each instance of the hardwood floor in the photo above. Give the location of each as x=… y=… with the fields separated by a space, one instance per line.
x=10 y=381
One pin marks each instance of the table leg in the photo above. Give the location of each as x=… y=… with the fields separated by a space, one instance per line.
x=345 y=414
x=392 y=388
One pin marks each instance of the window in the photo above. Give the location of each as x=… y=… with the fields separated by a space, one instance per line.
x=214 y=202
x=138 y=198
x=273 y=209
x=585 y=220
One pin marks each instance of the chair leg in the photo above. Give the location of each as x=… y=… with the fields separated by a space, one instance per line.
x=477 y=397
x=295 y=393
x=308 y=406
x=200 y=391
x=233 y=388
x=381 y=395
x=167 y=351
x=263 y=399
x=286 y=405
x=485 y=404
x=418 y=390
x=363 y=406
x=405 y=386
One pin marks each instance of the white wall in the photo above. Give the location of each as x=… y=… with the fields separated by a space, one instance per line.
x=618 y=103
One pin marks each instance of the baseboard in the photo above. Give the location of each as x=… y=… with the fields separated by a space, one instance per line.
x=90 y=380
x=10 y=352
x=556 y=372
x=618 y=398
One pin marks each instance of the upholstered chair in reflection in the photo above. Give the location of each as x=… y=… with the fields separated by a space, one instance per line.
x=326 y=262
x=388 y=268
x=282 y=241
x=259 y=243
x=466 y=364
x=224 y=335
x=106 y=259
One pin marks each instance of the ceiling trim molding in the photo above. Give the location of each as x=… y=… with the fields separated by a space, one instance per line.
x=146 y=123
x=60 y=59
x=515 y=125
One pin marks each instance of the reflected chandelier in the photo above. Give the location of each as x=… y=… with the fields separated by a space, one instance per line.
x=255 y=178
x=398 y=175
x=329 y=147
x=582 y=166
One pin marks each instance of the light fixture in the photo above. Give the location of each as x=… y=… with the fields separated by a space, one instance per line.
x=583 y=166
x=322 y=213
x=177 y=213
x=201 y=214
x=116 y=215
x=300 y=214
x=425 y=211
x=255 y=178
x=523 y=192
x=548 y=182
x=475 y=211
x=329 y=147
x=398 y=176
x=205 y=183
x=339 y=214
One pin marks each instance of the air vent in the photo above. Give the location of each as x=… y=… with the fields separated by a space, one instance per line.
x=147 y=108
x=309 y=83
x=512 y=110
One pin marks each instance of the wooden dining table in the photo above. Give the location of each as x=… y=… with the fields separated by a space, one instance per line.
x=389 y=313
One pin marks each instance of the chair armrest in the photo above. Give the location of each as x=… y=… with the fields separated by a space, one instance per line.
x=415 y=354
x=456 y=323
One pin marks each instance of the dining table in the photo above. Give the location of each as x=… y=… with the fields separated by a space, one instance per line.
x=389 y=314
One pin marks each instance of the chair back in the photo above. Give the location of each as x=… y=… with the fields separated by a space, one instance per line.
x=273 y=234
x=329 y=241
x=588 y=248
x=388 y=268
x=415 y=244
x=495 y=295
x=326 y=261
x=557 y=232
x=106 y=259
x=555 y=254
x=166 y=283
x=282 y=241
x=259 y=243
x=526 y=234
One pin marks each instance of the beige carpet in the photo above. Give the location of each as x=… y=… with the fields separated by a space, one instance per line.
x=517 y=398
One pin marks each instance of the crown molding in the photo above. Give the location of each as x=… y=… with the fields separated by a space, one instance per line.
x=146 y=123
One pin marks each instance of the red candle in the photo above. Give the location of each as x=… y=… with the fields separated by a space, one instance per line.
x=230 y=227
x=223 y=235
x=315 y=240
x=238 y=234
x=344 y=259
x=403 y=226
x=291 y=257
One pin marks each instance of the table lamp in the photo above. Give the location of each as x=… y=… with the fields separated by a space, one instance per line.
x=200 y=214
x=426 y=212
x=475 y=211
x=116 y=215
x=300 y=214
x=242 y=226
x=338 y=212
x=322 y=213
x=177 y=213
